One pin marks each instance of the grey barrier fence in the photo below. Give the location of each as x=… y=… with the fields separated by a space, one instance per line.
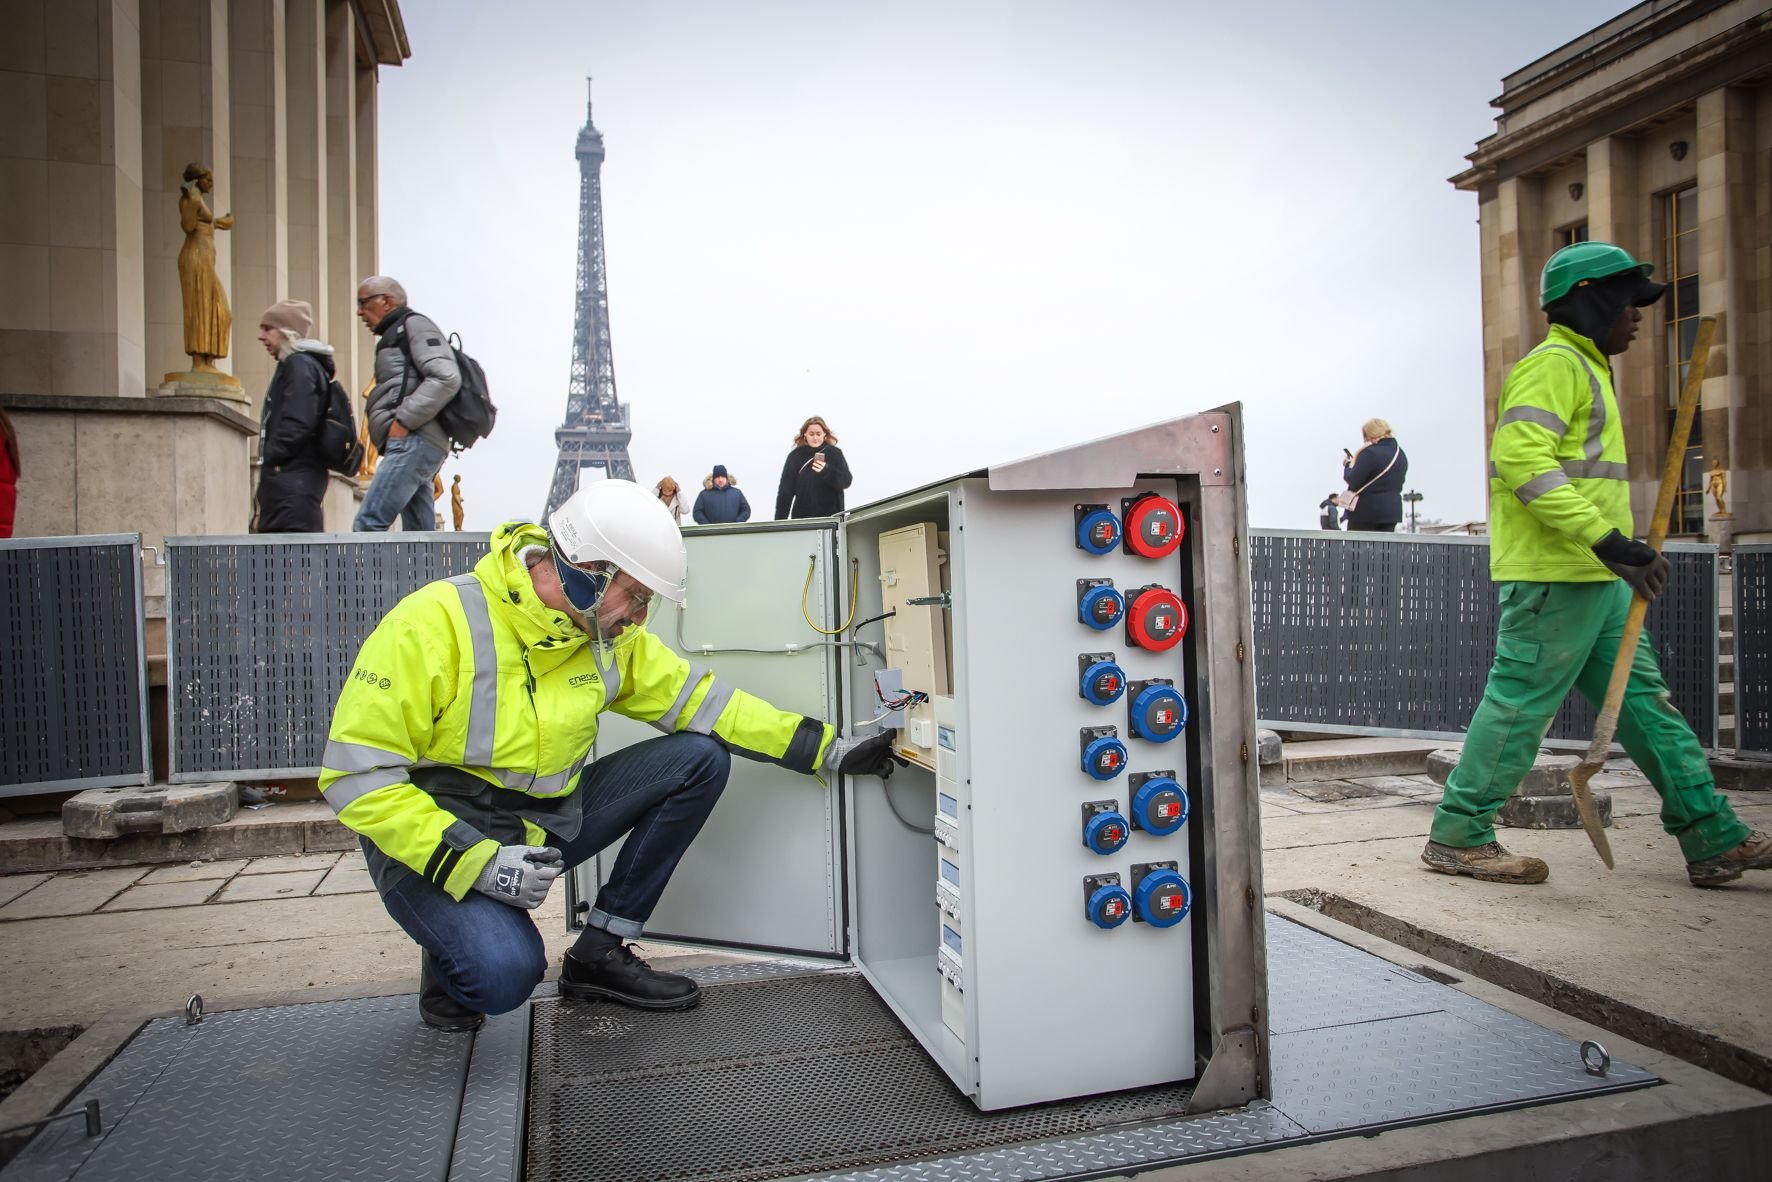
x=73 y=664
x=1753 y=650
x=1394 y=634
x=262 y=630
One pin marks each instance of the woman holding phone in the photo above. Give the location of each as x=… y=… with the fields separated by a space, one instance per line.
x=815 y=475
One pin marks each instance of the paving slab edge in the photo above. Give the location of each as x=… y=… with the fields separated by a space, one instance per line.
x=1702 y=1049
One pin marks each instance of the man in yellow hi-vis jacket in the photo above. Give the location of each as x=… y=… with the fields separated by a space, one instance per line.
x=1568 y=567
x=460 y=753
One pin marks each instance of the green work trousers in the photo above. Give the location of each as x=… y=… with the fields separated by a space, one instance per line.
x=1554 y=636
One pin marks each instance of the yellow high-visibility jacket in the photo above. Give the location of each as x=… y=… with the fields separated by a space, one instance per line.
x=1558 y=482
x=471 y=709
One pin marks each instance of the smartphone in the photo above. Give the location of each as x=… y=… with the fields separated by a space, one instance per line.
x=819 y=456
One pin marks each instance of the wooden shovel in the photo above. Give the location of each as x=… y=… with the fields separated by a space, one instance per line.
x=1607 y=723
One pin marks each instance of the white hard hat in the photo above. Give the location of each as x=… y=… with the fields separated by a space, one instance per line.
x=618 y=521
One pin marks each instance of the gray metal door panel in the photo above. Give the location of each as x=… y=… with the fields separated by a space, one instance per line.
x=765 y=871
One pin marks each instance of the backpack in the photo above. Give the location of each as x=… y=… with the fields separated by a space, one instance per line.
x=468 y=417
x=336 y=436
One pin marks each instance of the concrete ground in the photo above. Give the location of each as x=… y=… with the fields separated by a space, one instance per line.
x=1635 y=949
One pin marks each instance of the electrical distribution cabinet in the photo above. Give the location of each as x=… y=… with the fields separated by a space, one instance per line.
x=1059 y=894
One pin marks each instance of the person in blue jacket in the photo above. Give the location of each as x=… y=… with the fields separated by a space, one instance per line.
x=720 y=502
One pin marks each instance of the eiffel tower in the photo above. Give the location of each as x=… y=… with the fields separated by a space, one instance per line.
x=595 y=432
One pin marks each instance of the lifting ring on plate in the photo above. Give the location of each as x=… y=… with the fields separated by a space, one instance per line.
x=1599 y=1060
x=194 y=1009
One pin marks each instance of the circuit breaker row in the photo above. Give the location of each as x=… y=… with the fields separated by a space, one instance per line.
x=1153 y=619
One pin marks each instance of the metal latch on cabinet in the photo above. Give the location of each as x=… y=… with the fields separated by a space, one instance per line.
x=945 y=601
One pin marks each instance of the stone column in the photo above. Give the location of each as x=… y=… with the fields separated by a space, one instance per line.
x=259 y=119
x=339 y=245
x=185 y=119
x=70 y=198
x=1617 y=213
x=368 y=210
x=1725 y=271
x=305 y=74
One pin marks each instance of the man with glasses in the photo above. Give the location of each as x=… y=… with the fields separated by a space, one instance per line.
x=415 y=378
x=460 y=753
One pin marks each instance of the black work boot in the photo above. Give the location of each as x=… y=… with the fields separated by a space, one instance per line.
x=438 y=1009
x=616 y=973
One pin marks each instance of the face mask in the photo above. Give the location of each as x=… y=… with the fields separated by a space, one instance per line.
x=581 y=588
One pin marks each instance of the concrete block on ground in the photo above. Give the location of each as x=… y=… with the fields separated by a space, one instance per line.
x=1550 y=812
x=250 y=887
x=37 y=845
x=1268 y=750
x=152 y=896
x=1548 y=775
x=103 y=814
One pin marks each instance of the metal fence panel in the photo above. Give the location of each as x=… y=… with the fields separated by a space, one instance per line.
x=1753 y=649
x=1389 y=633
x=73 y=664
x=262 y=631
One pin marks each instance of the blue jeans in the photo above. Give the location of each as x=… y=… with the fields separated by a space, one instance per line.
x=488 y=955
x=401 y=487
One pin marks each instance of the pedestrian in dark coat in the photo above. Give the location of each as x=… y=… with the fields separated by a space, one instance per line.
x=720 y=502
x=292 y=473
x=815 y=475
x=1376 y=474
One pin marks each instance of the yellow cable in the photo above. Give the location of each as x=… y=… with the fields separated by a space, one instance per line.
x=854 y=592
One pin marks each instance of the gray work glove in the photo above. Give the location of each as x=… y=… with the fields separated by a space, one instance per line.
x=871 y=756
x=1644 y=569
x=521 y=874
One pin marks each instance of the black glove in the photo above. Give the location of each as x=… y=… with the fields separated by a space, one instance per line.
x=872 y=756
x=1644 y=569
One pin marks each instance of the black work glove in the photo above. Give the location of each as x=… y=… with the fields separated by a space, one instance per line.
x=1644 y=569
x=872 y=756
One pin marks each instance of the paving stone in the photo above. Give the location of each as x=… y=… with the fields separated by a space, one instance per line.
x=344 y=880
x=1331 y=791
x=196 y=871
x=246 y=887
x=14 y=885
x=292 y=863
x=72 y=893
x=145 y=896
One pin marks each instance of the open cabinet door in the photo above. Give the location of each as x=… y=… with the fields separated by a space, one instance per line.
x=766 y=872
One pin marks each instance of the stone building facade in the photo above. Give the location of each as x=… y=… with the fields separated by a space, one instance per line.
x=1652 y=131
x=106 y=102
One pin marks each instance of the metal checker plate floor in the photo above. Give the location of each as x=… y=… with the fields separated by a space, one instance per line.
x=783 y=1071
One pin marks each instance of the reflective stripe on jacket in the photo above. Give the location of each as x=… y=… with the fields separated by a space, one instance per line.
x=471 y=709
x=1558 y=482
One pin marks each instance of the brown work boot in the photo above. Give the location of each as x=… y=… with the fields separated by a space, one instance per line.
x=1488 y=863
x=1753 y=854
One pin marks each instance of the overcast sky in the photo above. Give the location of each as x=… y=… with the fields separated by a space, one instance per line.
x=963 y=232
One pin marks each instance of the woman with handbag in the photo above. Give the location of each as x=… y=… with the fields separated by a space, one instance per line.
x=1374 y=476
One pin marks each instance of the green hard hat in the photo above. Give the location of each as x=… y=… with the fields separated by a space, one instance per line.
x=1583 y=261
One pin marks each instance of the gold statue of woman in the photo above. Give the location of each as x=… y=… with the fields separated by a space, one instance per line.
x=208 y=322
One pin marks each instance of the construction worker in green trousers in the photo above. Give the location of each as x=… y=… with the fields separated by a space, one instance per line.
x=1567 y=567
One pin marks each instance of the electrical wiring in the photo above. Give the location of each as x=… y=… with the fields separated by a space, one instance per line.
x=854 y=600
x=886 y=790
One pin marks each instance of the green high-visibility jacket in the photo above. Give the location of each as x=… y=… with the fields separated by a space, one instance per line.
x=471 y=709
x=1557 y=476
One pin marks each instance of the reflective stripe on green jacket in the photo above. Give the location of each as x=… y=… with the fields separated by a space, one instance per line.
x=472 y=707
x=1557 y=476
